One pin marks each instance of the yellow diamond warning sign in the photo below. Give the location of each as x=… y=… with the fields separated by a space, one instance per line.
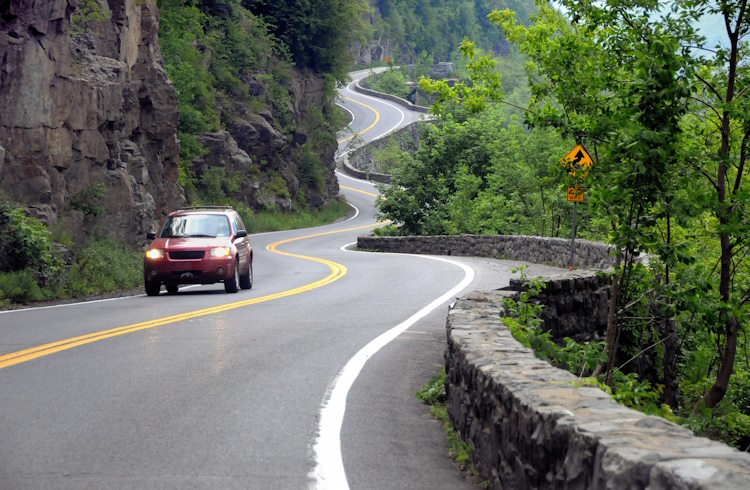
x=578 y=163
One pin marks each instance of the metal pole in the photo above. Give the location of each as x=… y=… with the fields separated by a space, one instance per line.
x=573 y=237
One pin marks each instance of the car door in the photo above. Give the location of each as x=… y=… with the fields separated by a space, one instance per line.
x=242 y=244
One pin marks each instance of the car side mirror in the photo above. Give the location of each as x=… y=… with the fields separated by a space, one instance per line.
x=150 y=235
x=240 y=234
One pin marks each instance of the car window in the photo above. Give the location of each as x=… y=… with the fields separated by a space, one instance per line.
x=237 y=222
x=196 y=225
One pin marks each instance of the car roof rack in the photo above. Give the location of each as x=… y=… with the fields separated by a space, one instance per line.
x=193 y=208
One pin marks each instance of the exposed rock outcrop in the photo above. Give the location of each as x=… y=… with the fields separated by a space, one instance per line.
x=273 y=148
x=86 y=105
x=372 y=51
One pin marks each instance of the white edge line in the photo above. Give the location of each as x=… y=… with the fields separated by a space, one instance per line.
x=394 y=128
x=81 y=303
x=341 y=174
x=356 y=211
x=339 y=151
x=346 y=109
x=329 y=472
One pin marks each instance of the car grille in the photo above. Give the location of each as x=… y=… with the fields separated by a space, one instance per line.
x=187 y=255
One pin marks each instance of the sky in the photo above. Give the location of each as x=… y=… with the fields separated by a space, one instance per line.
x=712 y=26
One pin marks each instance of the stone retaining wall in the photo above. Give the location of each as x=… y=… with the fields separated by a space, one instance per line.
x=530 y=426
x=363 y=174
x=380 y=95
x=540 y=250
x=575 y=304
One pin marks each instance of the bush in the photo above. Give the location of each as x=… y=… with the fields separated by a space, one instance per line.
x=25 y=244
x=390 y=82
x=20 y=287
x=104 y=265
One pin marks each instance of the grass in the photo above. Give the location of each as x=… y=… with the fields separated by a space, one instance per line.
x=263 y=221
x=101 y=266
x=433 y=394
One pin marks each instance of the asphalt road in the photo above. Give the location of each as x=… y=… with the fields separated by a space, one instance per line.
x=211 y=390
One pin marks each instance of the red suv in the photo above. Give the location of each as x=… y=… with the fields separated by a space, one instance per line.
x=199 y=246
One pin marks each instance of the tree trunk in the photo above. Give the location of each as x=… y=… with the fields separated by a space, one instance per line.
x=671 y=351
x=724 y=211
x=612 y=322
x=719 y=388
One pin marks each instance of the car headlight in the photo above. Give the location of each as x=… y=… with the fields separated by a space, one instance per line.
x=220 y=252
x=155 y=253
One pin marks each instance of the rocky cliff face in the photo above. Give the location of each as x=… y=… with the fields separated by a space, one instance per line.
x=255 y=150
x=87 y=107
x=364 y=53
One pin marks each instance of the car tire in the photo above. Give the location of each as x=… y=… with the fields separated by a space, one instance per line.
x=172 y=288
x=232 y=284
x=246 y=280
x=152 y=288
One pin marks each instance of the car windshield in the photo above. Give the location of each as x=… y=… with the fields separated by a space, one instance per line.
x=196 y=225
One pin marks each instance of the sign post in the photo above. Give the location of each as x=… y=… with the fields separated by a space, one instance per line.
x=578 y=163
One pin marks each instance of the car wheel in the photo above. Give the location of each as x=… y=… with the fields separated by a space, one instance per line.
x=172 y=288
x=246 y=280
x=152 y=288
x=232 y=284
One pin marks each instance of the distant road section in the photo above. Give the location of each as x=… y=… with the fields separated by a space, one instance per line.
x=373 y=118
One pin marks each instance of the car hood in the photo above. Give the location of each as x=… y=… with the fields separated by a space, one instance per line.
x=190 y=243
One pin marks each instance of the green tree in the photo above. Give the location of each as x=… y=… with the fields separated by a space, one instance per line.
x=623 y=78
x=317 y=33
x=722 y=92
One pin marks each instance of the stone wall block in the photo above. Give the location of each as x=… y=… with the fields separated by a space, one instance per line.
x=531 y=426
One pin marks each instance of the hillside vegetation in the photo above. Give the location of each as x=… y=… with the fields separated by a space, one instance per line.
x=255 y=84
x=232 y=59
x=437 y=27
x=666 y=119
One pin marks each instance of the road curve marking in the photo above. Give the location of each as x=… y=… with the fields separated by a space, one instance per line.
x=329 y=472
x=337 y=272
x=372 y=194
x=377 y=119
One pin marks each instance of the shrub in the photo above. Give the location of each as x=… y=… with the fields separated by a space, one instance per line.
x=24 y=243
x=20 y=287
x=104 y=265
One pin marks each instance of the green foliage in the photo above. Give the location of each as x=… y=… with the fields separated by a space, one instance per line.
x=482 y=88
x=25 y=244
x=317 y=33
x=20 y=287
x=390 y=157
x=628 y=81
x=88 y=200
x=217 y=185
x=390 y=81
x=87 y=12
x=433 y=391
x=433 y=394
x=524 y=323
x=212 y=50
x=437 y=26
x=729 y=421
x=274 y=220
x=480 y=175
x=103 y=265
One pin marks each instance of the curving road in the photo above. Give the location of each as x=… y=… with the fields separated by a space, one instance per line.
x=305 y=381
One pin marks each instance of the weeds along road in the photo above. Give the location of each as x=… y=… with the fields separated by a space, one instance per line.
x=305 y=381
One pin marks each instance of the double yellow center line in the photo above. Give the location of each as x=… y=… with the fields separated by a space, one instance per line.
x=374 y=123
x=337 y=272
